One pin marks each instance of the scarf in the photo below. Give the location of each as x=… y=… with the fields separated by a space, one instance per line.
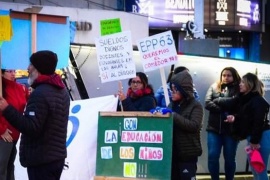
x=139 y=93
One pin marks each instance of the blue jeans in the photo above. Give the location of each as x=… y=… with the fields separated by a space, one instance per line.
x=215 y=142
x=265 y=152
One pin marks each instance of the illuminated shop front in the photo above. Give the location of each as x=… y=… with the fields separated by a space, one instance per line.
x=239 y=19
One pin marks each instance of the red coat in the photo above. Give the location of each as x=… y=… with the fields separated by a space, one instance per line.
x=16 y=95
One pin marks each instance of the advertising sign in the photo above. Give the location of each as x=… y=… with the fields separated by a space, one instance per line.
x=218 y=14
x=248 y=15
x=163 y=13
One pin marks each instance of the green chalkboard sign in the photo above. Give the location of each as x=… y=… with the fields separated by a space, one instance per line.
x=134 y=145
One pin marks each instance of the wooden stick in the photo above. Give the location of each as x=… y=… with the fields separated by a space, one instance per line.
x=34 y=32
x=120 y=89
x=1 y=92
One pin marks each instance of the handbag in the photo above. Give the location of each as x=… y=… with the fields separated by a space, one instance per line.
x=256 y=161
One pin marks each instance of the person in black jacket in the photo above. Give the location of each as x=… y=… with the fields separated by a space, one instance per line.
x=44 y=122
x=187 y=124
x=251 y=121
x=140 y=95
x=218 y=101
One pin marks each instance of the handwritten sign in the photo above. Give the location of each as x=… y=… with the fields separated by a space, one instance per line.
x=157 y=51
x=110 y=26
x=264 y=76
x=134 y=146
x=114 y=55
x=5 y=28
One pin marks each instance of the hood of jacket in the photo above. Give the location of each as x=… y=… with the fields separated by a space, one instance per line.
x=184 y=83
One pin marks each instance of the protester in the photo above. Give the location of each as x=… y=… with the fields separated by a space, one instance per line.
x=44 y=122
x=187 y=117
x=140 y=95
x=16 y=95
x=250 y=121
x=218 y=101
x=159 y=95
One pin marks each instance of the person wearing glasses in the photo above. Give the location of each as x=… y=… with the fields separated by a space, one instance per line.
x=16 y=95
x=139 y=96
x=187 y=115
x=159 y=94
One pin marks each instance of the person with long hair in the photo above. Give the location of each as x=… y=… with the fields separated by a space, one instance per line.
x=16 y=95
x=218 y=101
x=140 y=95
x=250 y=120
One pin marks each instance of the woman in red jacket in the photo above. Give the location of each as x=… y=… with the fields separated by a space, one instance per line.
x=15 y=94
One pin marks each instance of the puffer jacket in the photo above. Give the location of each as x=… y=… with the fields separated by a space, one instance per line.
x=187 y=119
x=43 y=124
x=219 y=106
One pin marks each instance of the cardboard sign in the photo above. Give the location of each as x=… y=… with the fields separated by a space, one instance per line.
x=157 y=51
x=134 y=145
x=114 y=55
x=110 y=26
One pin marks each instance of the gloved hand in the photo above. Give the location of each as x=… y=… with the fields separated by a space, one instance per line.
x=160 y=110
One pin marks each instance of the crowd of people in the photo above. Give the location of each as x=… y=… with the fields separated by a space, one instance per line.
x=237 y=111
x=231 y=97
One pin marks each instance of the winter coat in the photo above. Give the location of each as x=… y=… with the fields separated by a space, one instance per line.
x=251 y=118
x=16 y=95
x=44 y=122
x=187 y=120
x=219 y=105
x=144 y=103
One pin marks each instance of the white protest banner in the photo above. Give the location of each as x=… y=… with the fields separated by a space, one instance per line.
x=81 y=139
x=114 y=55
x=157 y=51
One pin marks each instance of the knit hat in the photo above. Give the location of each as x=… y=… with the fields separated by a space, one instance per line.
x=44 y=61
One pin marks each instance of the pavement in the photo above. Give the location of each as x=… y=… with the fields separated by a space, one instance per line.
x=222 y=177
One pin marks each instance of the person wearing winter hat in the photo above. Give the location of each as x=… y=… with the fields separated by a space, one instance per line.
x=43 y=124
x=44 y=62
x=187 y=117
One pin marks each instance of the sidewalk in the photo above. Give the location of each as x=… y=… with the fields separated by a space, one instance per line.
x=222 y=177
